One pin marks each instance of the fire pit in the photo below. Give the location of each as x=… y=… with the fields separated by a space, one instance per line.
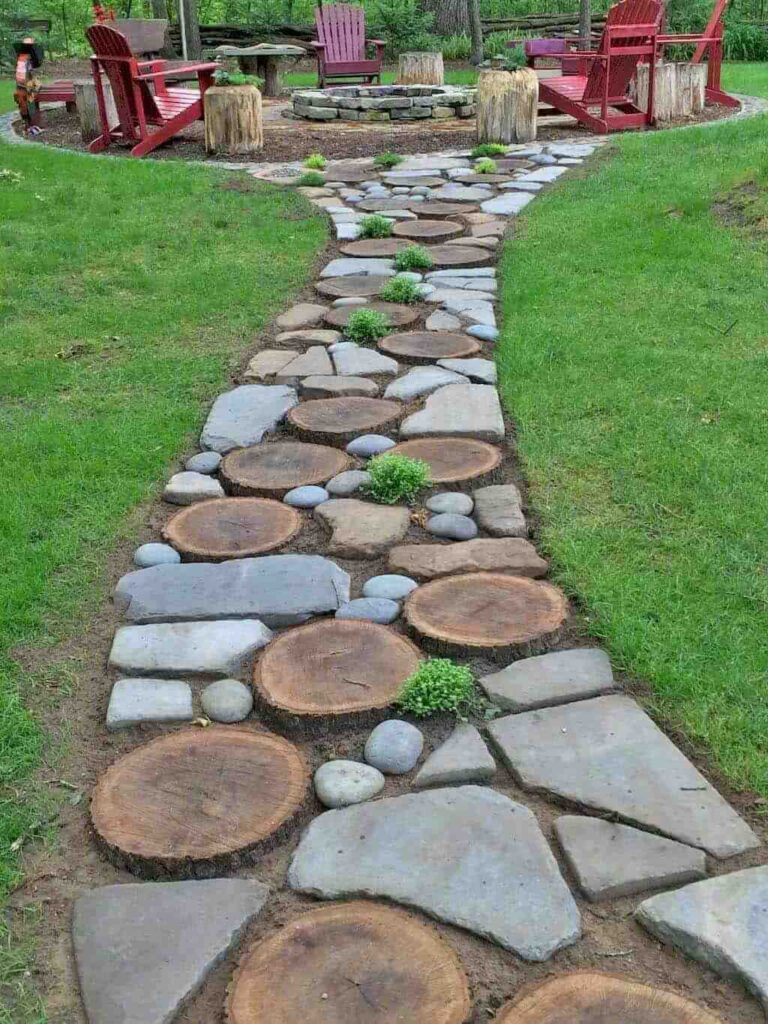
x=384 y=103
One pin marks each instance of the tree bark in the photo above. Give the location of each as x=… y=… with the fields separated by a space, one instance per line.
x=233 y=119
x=88 y=110
x=476 y=31
x=420 y=69
x=585 y=24
x=191 y=33
x=507 y=105
x=451 y=16
x=679 y=89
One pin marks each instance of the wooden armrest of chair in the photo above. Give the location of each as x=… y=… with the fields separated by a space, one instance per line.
x=376 y=42
x=317 y=46
x=171 y=72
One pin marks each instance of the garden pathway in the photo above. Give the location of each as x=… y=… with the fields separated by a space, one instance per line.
x=338 y=621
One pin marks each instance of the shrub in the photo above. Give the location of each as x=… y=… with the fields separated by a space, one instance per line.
x=403 y=25
x=366 y=326
x=456 y=47
x=224 y=77
x=396 y=478
x=495 y=43
x=438 y=684
x=401 y=289
x=745 y=42
x=489 y=149
x=388 y=159
x=414 y=257
x=485 y=166
x=375 y=226
x=311 y=178
x=516 y=59
x=316 y=161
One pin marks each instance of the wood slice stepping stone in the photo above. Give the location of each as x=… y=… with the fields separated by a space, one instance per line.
x=458 y=255
x=356 y=286
x=274 y=469
x=350 y=173
x=586 y=998
x=398 y=316
x=211 y=531
x=486 y=611
x=429 y=346
x=375 y=248
x=350 y=963
x=340 y=420
x=428 y=230
x=452 y=459
x=196 y=802
x=332 y=670
x=442 y=208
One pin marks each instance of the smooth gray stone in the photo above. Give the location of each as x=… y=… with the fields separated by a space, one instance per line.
x=451 y=502
x=548 y=679
x=394 y=747
x=499 y=510
x=463 y=758
x=341 y=783
x=522 y=186
x=481 y=370
x=189 y=648
x=358 y=362
x=331 y=387
x=458 y=410
x=342 y=346
x=144 y=949
x=612 y=860
x=442 y=321
x=368 y=445
x=391 y=585
x=243 y=416
x=281 y=590
x=187 y=488
x=608 y=755
x=543 y=174
x=227 y=700
x=436 y=276
x=542 y=159
x=460 y=194
x=449 y=295
x=475 y=311
x=307 y=496
x=723 y=922
x=155 y=554
x=203 y=462
x=315 y=362
x=448 y=524
x=508 y=204
x=421 y=380
x=571 y=149
x=484 y=332
x=467 y=856
x=348 y=482
x=303 y=314
x=349 y=300
x=134 y=701
x=370 y=609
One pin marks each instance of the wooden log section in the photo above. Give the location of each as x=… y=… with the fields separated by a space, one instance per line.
x=680 y=89
x=440 y=208
x=428 y=230
x=452 y=460
x=354 y=286
x=274 y=469
x=211 y=531
x=332 y=673
x=586 y=998
x=445 y=256
x=339 y=420
x=429 y=346
x=350 y=963
x=88 y=109
x=233 y=120
x=486 y=611
x=397 y=315
x=198 y=802
x=375 y=248
x=507 y=105
x=420 y=69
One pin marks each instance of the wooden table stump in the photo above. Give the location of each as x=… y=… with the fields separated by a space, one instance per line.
x=680 y=89
x=420 y=69
x=233 y=120
x=429 y=346
x=88 y=109
x=452 y=460
x=507 y=105
x=223 y=528
x=272 y=470
x=350 y=963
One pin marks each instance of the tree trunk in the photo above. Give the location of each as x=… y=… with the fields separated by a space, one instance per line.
x=160 y=10
x=679 y=90
x=476 y=31
x=420 y=69
x=507 y=105
x=190 y=30
x=585 y=24
x=233 y=119
x=451 y=16
x=88 y=110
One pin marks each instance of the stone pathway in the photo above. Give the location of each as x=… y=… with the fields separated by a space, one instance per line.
x=456 y=569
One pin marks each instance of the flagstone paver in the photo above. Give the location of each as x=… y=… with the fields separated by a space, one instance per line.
x=458 y=410
x=549 y=679
x=421 y=380
x=314 y=361
x=499 y=510
x=332 y=387
x=361 y=529
x=428 y=561
x=243 y=416
x=134 y=701
x=187 y=488
x=463 y=758
x=221 y=648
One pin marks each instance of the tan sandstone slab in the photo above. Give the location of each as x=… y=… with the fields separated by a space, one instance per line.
x=458 y=410
x=304 y=314
x=361 y=529
x=314 y=361
x=311 y=335
x=511 y=555
x=268 y=363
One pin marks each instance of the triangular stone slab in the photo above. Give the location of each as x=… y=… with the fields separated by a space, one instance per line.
x=463 y=758
x=468 y=856
x=607 y=754
x=244 y=415
x=143 y=950
x=458 y=410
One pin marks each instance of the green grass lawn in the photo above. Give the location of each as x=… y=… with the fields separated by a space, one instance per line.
x=634 y=359
x=136 y=288
x=453 y=76
x=6 y=96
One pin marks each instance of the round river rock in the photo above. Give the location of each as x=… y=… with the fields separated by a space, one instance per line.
x=394 y=747
x=340 y=783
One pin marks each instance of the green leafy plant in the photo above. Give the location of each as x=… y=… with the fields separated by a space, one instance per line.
x=366 y=326
x=403 y=24
x=489 y=149
x=403 y=290
x=388 y=159
x=485 y=166
x=438 y=684
x=516 y=59
x=414 y=257
x=375 y=226
x=497 y=42
x=396 y=478
x=224 y=77
x=313 y=179
x=316 y=162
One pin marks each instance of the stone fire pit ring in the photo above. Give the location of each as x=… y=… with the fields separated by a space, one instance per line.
x=384 y=103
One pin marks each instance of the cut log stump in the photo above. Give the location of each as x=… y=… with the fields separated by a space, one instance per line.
x=375 y=248
x=339 y=420
x=460 y=256
x=332 y=673
x=210 y=531
x=350 y=963
x=272 y=470
x=420 y=69
x=429 y=346
x=354 y=286
x=428 y=230
x=452 y=460
x=680 y=89
x=507 y=105
x=486 y=611
x=233 y=120
x=198 y=802
x=88 y=108
x=397 y=315
x=585 y=998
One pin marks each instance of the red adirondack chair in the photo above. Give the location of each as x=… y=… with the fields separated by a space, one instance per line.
x=598 y=96
x=709 y=44
x=138 y=107
x=341 y=45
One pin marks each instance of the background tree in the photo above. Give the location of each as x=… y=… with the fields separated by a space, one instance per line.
x=476 y=31
x=451 y=16
x=585 y=24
